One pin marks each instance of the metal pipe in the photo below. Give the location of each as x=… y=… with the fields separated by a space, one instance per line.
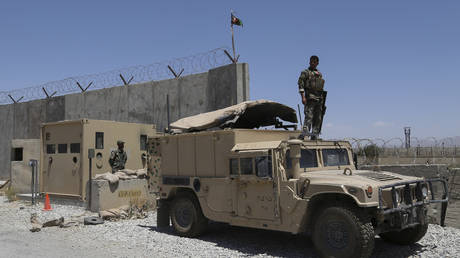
x=34 y=179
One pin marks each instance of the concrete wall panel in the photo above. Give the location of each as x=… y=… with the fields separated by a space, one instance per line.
x=117 y=104
x=140 y=103
x=95 y=103
x=191 y=100
x=74 y=106
x=6 y=127
x=55 y=109
x=36 y=111
x=20 y=120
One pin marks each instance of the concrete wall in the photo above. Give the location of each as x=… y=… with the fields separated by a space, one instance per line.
x=140 y=103
x=21 y=171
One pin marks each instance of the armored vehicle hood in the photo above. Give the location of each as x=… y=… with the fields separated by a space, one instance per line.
x=358 y=178
x=248 y=114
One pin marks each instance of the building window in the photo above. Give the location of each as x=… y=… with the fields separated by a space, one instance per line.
x=16 y=154
x=62 y=148
x=51 y=148
x=143 y=142
x=99 y=140
x=75 y=148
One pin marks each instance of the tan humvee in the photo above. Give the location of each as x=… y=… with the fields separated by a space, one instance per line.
x=266 y=179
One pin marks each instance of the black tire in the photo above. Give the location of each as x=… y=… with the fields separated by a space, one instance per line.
x=407 y=236
x=163 y=214
x=93 y=221
x=343 y=232
x=186 y=216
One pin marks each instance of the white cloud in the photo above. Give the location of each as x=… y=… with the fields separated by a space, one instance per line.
x=329 y=125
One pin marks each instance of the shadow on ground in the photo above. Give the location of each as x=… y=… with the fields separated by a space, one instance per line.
x=254 y=242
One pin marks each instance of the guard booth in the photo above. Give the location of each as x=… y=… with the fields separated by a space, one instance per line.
x=64 y=152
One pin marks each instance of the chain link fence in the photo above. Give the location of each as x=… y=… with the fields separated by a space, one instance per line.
x=198 y=63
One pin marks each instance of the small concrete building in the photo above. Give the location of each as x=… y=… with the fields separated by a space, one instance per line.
x=22 y=151
x=64 y=152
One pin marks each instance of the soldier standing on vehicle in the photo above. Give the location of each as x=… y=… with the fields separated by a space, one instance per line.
x=311 y=89
x=118 y=157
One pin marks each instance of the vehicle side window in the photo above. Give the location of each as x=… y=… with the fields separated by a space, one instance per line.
x=335 y=157
x=246 y=166
x=233 y=166
x=307 y=159
x=263 y=166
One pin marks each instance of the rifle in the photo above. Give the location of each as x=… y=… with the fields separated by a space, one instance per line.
x=323 y=99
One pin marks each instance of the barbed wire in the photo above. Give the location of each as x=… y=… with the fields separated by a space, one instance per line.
x=198 y=63
x=429 y=149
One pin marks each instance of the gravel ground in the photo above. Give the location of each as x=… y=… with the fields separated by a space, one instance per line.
x=141 y=238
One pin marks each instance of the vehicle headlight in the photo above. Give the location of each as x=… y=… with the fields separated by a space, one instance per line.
x=424 y=191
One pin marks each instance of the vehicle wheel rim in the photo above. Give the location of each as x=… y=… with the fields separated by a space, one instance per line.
x=184 y=215
x=337 y=235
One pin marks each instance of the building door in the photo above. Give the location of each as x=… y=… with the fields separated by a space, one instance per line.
x=62 y=173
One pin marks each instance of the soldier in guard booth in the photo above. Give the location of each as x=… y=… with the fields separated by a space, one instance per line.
x=311 y=89
x=118 y=157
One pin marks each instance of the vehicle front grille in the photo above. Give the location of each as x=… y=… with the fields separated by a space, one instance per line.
x=378 y=176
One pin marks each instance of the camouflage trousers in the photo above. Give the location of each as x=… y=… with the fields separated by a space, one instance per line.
x=313 y=112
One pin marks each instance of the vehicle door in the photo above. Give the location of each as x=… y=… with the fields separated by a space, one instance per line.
x=253 y=176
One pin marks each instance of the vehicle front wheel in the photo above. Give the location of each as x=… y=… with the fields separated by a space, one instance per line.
x=187 y=217
x=343 y=232
x=407 y=236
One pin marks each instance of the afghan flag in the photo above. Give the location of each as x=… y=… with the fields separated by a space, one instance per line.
x=236 y=21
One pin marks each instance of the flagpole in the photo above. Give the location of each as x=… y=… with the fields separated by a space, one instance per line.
x=233 y=44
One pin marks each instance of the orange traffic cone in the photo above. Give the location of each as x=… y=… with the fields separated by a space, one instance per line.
x=47 y=203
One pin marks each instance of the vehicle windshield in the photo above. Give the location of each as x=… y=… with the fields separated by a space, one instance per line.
x=307 y=159
x=335 y=157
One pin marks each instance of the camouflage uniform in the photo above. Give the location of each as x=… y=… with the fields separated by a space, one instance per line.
x=117 y=160
x=311 y=83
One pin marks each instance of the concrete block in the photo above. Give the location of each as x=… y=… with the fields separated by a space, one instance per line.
x=127 y=192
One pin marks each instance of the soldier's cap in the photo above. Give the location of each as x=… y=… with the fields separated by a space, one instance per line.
x=120 y=142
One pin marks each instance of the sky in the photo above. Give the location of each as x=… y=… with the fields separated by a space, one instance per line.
x=387 y=64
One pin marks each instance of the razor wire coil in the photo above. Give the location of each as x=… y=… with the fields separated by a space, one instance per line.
x=198 y=63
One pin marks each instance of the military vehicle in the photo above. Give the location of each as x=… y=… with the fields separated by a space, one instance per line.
x=268 y=179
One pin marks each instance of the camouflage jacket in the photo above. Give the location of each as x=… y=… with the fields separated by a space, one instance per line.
x=311 y=83
x=118 y=159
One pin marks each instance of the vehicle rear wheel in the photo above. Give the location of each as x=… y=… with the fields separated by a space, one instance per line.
x=407 y=236
x=187 y=217
x=342 y=232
